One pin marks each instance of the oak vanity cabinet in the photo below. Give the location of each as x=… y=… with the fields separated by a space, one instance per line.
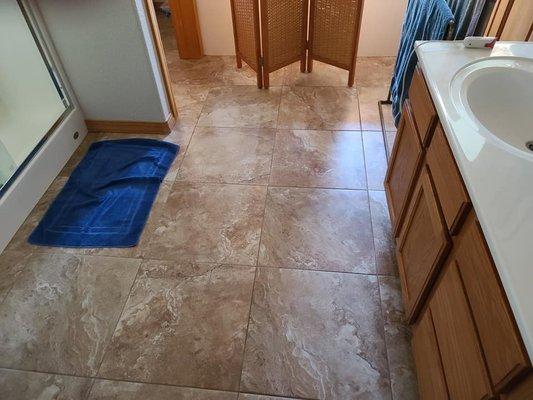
x=465 y=341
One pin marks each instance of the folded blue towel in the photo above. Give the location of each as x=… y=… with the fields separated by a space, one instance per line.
x=107 y=199
x=424 y=20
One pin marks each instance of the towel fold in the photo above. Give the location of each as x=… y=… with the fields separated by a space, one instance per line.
x=424 y=20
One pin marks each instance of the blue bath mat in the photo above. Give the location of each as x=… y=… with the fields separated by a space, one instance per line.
x=108 y=197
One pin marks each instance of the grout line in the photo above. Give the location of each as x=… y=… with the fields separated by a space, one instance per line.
x=184 y=182
x=376 y=269
x=104 y=353
x=247 y=330
x=95 y=378
x=190 y=138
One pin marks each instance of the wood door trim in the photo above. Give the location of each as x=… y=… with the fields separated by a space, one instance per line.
x=161 y=59
x=186 y=28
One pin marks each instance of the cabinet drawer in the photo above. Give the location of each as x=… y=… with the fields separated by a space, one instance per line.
x=461 y=355
x=451 y=192
x=423 y=108
x=422 y=245
x=499 y=336
x=431 y=383
x=404 y=164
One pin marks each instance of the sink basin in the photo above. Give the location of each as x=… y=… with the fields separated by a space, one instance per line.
x=496 y=96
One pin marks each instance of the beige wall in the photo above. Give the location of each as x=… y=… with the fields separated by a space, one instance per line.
x=380 y=32
x=214 y=17
x=382 y=26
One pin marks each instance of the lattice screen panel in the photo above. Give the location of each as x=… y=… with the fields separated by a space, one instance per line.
x=334 y=31
x=284 y=32
x=246 y=31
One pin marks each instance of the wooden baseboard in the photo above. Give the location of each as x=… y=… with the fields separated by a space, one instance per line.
x=134 y=127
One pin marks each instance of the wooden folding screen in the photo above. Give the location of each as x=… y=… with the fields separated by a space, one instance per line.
x=334 y=33
x=271 y=34
x=245 y=14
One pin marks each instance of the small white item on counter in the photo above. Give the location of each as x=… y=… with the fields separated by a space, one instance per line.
x=479 y=42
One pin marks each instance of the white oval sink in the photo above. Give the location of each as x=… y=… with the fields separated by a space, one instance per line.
x=496 y=96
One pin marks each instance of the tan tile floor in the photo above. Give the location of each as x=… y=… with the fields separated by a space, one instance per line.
x=266 y=269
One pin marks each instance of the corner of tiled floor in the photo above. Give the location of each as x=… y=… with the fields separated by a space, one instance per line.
x=266 y=269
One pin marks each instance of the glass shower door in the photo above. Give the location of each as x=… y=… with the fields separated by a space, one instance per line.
x=31 y=98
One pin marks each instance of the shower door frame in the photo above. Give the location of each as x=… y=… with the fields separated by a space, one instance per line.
x=24 y=188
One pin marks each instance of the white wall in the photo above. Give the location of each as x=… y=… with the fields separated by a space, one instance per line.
x=108 y=56
x=380 y=32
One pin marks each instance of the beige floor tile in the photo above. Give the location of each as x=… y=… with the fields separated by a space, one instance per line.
x=322 y=75
x=216 y=71
x=22 y=385
x=12 y=263
x=315 y=335
x=318 y=159
x=241 y=106
x=383 y=237
x=204 y=71
x=374 y=71
x=319 y=108
x=375 y=159
x=231 y=75
x=113 y=390
x=189 y=101
x=229 y=155
x=187 y=330
x=398 y=339
x=318 y=229
x=60 y=314
x=180 y=135
x=247 y=396
x=210 y=223
x=368 y=105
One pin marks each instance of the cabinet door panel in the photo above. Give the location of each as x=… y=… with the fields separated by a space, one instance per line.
x=452 y=194
x=423 y=108
x=404 y=163
x=500 y=340
x=462 y=359
x=431 y=383
x=422 y=245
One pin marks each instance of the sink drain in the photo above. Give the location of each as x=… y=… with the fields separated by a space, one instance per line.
x=529 y=145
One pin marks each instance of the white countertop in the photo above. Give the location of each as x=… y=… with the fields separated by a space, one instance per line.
x=499 y=181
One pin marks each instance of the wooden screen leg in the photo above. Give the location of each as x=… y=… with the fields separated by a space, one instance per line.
x=260 y=79
x=266 y=80
x=239 y=60
x=303 y=63
x=351 y=77
x=309 y=64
